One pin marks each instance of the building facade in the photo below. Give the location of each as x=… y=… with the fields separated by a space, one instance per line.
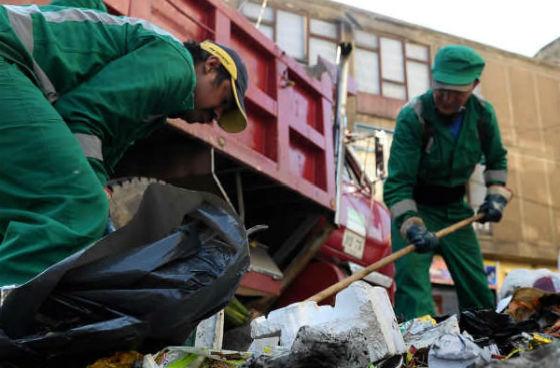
x=391 y=64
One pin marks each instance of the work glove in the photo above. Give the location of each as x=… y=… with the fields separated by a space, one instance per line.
x=497 y=197
x=416 y=233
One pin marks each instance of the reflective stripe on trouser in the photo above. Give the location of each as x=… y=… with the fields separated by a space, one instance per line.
x=51 y=204
x=462 y=255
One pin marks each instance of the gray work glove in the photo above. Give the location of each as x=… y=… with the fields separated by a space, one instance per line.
x=497 y=197
x=416 y=233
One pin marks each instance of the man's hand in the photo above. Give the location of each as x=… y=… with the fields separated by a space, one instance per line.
x=417 y=234
x=497 y=197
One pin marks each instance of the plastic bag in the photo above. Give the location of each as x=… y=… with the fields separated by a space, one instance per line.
x=177 y=262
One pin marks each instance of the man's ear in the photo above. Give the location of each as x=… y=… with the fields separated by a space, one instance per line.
x=212 y=63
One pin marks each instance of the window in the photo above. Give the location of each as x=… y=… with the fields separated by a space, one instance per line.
x=392 y=68
x=417 y=69
x=253 y=11
x=323 y=39
x=286 y=28
x=383 y=65
x=366 y=63
x=290 y=34
x=387 y=66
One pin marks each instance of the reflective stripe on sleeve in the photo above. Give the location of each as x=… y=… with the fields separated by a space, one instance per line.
x=22 y=24
x=495 y=175
x=401 y=207
x=91 y=145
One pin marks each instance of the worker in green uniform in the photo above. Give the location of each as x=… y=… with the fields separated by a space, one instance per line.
x=77 y=87
x=439 y=138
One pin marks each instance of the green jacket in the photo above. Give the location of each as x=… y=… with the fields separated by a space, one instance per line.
x=90 y=4
x=112 y=79
x=443 y=161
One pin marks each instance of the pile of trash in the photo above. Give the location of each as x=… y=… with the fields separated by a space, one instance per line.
x=170 y=275
x=361 y=331
x=145 y=286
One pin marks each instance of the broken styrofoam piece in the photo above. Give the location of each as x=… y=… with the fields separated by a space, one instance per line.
x=456 y=351
x=422 y=332
x=503 y=304
x=359 y=307
x=210 y=332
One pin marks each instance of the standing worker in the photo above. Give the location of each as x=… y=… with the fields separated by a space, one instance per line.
x=77 y=87
x=439 y=138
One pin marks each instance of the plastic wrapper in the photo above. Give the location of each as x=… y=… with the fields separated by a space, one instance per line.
x=177 y=262
x=456 y=351
x=188 y=357
x=547 y=356
x=423 y=331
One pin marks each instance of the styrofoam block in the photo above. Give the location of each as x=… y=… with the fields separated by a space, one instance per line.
x=360 y=306
x=210 y=332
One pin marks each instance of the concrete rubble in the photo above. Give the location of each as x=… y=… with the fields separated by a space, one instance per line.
x=360 y=307
x=316 y=348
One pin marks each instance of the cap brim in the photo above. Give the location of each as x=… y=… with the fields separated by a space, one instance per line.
x=452 y=87
x=234 y=120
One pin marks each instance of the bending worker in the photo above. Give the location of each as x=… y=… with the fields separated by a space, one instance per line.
x=439 y=138
x=77 y=87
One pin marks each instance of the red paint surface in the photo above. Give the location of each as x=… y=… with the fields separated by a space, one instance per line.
x=261 y=283
x=289 y=136
x=316 y=277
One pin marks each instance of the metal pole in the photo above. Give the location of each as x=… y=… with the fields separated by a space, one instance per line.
x=240 y=200
x=261 y=13
x=340 y=123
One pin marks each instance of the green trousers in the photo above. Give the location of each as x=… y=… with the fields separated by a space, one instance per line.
x=461 y=252
x=51 y=202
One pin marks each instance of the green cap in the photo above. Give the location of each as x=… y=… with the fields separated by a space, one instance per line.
x=456 y=67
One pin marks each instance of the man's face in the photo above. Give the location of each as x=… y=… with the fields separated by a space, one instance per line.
x=449 y=102
x=211 y=98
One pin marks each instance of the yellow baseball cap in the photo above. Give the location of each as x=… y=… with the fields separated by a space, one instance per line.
x=233 y=120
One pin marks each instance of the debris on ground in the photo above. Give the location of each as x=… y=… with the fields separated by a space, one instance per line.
x=360 y=307
x=189 y=357
x=361 y=331
x=422 y=332
x=315 y=347
x=545 y=357
x=456 y=350
x=130 y=359
x=177 y=262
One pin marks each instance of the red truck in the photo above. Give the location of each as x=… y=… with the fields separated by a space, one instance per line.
x=280 y=171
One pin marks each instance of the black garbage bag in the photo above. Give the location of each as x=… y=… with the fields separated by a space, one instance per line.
x=488 y=326
x=178 y=261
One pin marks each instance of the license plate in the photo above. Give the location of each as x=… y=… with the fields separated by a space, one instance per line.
x=353 y=244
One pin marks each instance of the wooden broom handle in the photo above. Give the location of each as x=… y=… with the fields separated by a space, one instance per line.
x=344 y=283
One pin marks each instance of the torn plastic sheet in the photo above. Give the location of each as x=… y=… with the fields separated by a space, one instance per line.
x=456 y=351
x=487 y=326
x=423 y=331
x=547 y=356
x=177 y=262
